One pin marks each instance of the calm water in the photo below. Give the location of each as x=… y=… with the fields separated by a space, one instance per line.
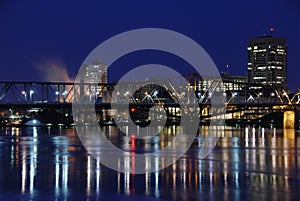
x=51 y=164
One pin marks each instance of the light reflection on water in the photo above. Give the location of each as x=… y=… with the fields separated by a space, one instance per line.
x=251 y=164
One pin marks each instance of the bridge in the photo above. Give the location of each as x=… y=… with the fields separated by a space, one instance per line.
x=243 y=101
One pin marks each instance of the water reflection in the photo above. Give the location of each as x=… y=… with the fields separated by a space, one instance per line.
x=251 y=163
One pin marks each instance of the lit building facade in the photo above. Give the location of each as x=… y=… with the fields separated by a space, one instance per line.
x=267 y=61
x=95 y=74
x=234 y=82
x=229 y=83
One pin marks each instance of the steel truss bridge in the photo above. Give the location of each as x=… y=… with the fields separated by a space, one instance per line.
x=243 y=101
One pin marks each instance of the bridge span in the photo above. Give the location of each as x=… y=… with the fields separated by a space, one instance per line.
x=244 y=103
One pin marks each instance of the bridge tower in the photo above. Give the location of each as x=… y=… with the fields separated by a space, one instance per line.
x=289 y=118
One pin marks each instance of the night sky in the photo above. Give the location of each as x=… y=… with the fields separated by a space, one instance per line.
x=37 y=35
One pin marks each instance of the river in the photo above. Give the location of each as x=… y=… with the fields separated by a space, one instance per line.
x=246 y=164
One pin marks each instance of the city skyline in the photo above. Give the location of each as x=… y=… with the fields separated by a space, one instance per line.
x=35 y=35
x=149 y=100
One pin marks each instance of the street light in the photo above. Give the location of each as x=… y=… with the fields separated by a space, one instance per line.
x=285 y=94
x=126 y=94
x=30 y=94
x=24 y=93
x=57 y=94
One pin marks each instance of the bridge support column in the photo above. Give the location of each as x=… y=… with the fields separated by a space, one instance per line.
x=289 y=119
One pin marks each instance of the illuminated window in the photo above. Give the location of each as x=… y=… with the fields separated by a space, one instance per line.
x=261 y=68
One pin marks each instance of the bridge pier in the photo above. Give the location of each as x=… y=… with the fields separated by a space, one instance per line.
x=289 y=119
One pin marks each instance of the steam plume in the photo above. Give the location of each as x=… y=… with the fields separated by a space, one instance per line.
x=53 y=70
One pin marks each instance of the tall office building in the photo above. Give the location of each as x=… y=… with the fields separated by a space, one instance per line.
x=267 y=61
x=95 y=74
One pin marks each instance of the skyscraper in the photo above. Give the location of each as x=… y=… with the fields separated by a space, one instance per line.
x=95 y=74
x=267 y=61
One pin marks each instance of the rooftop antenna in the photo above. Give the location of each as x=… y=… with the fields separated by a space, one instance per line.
x=271 y=31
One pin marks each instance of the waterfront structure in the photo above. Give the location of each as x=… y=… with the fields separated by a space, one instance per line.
x=267 y=61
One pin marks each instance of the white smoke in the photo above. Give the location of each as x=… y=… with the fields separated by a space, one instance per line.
x=53 y=70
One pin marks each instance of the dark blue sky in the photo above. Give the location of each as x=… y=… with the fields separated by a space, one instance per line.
x=36 y=33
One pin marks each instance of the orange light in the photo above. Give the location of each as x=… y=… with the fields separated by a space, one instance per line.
x=132 y=109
